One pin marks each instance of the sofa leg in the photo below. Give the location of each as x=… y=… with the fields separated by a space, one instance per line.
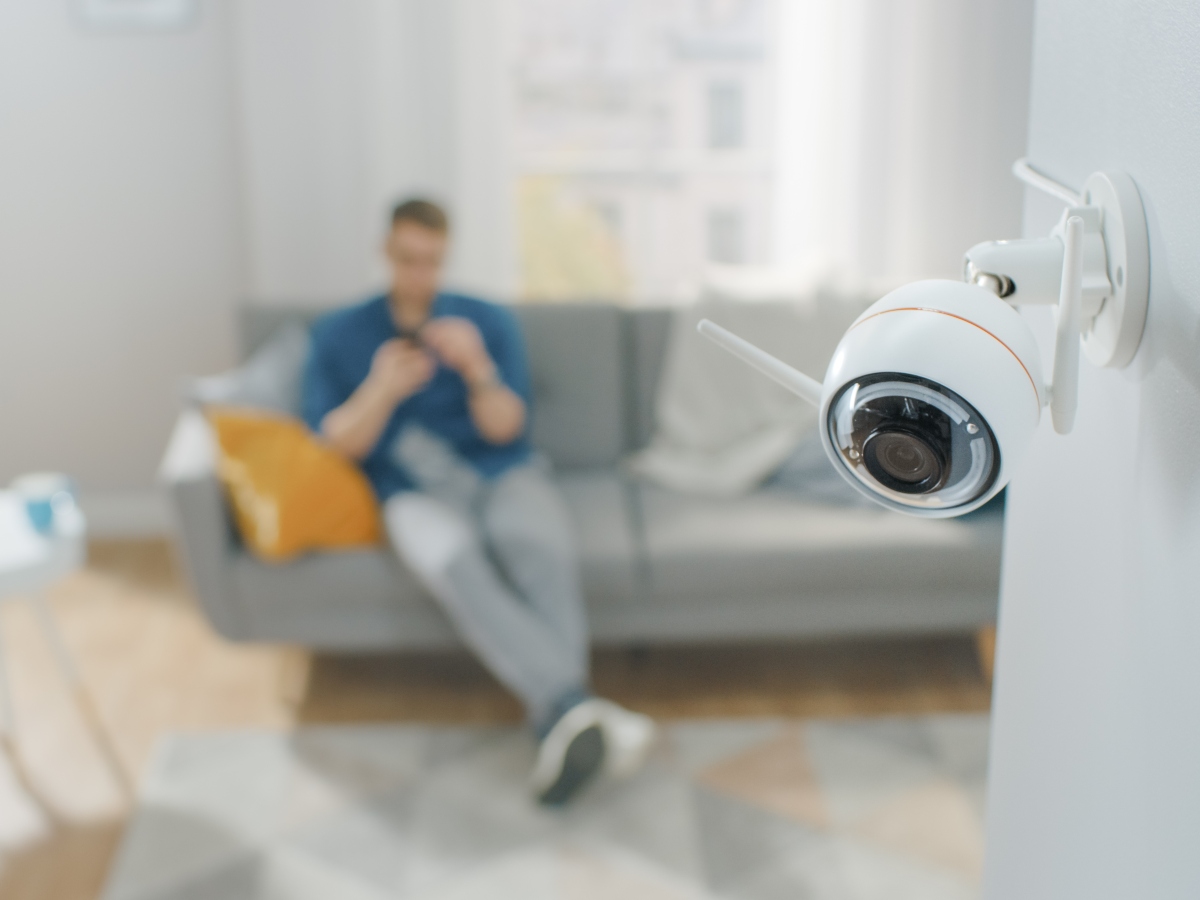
x=295 y=665
x=985 y=647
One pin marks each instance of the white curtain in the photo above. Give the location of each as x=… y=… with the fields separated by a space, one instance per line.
x=347 y=106
x=898 y=122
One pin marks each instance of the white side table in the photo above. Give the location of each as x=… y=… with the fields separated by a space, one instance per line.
x=29 y=563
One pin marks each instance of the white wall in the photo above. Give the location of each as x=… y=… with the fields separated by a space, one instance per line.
x=119 y=236
x=1095 y=775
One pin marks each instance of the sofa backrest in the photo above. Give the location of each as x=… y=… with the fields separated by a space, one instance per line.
x=577 y=362
x=647 y=331
x=257 y=324
x=593 y=365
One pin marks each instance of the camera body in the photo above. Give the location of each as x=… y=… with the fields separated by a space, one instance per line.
x=931 y=398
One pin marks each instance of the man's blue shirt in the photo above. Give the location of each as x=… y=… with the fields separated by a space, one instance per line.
x=344 y=343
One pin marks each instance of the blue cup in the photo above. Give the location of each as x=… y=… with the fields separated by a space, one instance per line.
x=43 y=493
x=41 y=514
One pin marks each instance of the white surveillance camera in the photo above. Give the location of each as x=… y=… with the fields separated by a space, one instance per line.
x=933 y=394
x=930 y=398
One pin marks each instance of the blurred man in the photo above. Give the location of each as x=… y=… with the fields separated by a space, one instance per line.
x=429 y=392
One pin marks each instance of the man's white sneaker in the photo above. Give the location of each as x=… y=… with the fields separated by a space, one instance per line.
x=571 y=754
x=629 y=738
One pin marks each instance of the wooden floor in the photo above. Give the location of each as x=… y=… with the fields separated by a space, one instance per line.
x=153 y=666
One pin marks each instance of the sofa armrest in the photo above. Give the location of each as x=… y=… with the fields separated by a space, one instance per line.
x=204 y=534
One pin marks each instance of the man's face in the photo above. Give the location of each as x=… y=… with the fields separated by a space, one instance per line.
x=415 y=254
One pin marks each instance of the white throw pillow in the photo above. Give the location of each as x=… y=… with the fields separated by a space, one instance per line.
x=270 y=379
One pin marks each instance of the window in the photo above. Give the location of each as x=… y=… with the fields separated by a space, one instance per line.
x=617 y=107
x=611 y=214
x=726 y=241
x=725 y=115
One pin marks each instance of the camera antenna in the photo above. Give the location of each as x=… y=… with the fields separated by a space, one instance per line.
x=775 y=369
x=1044 y=183
x=1064 y=387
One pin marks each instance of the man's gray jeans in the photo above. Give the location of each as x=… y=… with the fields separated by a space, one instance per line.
x=499 y=556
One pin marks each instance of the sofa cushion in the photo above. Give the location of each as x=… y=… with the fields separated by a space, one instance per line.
x=600 y=506
x=772 y=544
x=575 y=353
x=351 y=599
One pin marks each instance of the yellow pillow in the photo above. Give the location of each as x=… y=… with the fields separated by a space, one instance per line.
x=290 y=493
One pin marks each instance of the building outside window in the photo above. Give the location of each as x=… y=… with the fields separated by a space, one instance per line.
x=726 y=115
x=642 y=144
x=726 y=236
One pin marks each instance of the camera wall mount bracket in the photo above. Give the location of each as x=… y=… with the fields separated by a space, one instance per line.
x=1116 y=263
x=1115 y=332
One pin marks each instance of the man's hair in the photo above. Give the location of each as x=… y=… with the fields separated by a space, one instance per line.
x=421 y=212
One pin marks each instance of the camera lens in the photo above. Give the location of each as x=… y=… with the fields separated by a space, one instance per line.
x=905 y=461
x=904 y=441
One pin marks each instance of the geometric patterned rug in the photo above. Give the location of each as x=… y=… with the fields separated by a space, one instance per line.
x=761 y=809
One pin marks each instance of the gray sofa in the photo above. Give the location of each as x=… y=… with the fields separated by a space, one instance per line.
x=657 y=566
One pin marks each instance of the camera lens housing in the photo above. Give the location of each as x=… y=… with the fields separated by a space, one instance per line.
x=932 y=397
x=913 y=441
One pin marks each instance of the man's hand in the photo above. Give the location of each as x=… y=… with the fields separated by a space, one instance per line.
x=400 y=369
x=497 y=412
x=458 y=344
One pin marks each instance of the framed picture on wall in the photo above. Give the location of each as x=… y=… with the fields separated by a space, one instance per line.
x=137 y=15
